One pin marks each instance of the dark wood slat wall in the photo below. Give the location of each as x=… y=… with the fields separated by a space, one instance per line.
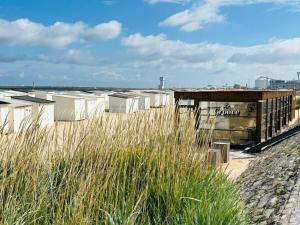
x=267 y=119
x=258 y=120
x=293 y=106
x=276 y=115
x=278 y=111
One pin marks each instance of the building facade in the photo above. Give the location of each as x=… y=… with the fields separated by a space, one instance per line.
x=262 y=83
x=243 y=117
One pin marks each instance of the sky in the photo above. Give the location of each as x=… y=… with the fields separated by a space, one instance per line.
x=131 y=43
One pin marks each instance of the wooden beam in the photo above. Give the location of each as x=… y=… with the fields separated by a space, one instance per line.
x=220 y=96
x=231 y=95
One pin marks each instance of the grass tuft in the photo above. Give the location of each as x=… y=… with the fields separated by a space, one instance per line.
x=138 y=169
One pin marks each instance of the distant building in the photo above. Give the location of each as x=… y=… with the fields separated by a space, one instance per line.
x=262 y=83
x=277 y=84
x=266 y=82
x=238 y=86
x=291 y=84
x=162 y=83
x=282 y=84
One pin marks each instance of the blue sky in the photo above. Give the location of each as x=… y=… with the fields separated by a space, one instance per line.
x=131 y=43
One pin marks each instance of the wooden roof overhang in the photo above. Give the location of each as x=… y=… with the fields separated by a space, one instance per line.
x=232 y=95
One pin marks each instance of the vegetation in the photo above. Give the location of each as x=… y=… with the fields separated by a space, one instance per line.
x=141 y=169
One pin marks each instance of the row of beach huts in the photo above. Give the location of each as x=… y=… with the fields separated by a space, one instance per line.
x=50 y=106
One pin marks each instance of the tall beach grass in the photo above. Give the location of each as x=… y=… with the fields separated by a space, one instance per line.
x=144 y=168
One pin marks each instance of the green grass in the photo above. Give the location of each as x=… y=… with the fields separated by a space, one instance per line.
x=146 y=169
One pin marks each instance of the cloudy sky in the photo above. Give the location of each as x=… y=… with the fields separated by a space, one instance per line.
x=130 y=43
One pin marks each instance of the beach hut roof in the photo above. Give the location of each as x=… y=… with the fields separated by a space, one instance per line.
x=4 y=102
x=67 y=96
x=16 y=103
x=153 y=92
x=33 y=99
x=122 y=95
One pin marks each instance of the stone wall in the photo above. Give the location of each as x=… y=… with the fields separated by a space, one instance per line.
x=269 y=185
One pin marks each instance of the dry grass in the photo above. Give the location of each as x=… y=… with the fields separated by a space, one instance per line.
x=141 y=169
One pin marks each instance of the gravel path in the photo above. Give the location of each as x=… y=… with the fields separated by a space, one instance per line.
x=268 y=183
x=295 y=219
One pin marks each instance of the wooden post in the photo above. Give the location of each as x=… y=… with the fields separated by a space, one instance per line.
x=267 y=120
x=285 y=110
x=258 y=120
x=272 y=117
x=279 y=113
x=276 y=115
x=214 y=157
x=293 y=113
x=224 y=146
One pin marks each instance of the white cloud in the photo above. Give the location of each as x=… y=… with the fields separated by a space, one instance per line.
x=160 y=47
x=48 y=73
x=184 y=64
x=208 y=11
x=71 y=56
x=104 y=31
x=197 y=64
x=160 y=52
x=27 y=33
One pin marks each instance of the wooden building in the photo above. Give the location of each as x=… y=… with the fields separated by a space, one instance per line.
x=243 y=117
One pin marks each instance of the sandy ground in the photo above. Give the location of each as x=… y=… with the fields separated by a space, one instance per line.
x=236 y=167
x=238 y=164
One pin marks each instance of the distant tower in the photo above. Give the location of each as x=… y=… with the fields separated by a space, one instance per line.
x=162 y=83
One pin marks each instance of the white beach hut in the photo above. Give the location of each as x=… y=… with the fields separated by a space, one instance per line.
x=42 y=109
x=104 y=94
x=164 y=99
x=123 y=103
x=4 y=109
x=42 y=94
x=68 y=108
x=5 y=95
x=154 y=98
x=94 y=105
x=144 y=100
x=19 y=115
x=171 y=100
